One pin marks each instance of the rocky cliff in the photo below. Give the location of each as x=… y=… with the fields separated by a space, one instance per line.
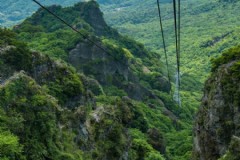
x=217 y=126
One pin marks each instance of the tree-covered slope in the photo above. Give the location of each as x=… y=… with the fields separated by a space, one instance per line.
x=49 y=111
x=104 y=104
x=207 y=29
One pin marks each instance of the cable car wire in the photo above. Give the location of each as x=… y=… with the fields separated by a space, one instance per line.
x=163 y=39
x=177 y=41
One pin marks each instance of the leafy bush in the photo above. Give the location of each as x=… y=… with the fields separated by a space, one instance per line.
x=9 y=145
x=227 y=56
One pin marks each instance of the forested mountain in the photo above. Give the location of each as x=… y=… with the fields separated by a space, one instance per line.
x=207 y=29
x=62 y=97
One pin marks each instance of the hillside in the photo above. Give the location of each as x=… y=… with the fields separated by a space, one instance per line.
x=208 y=28
x=64 y=98
x=206 y=32
x=216 y=132
x=191 y=82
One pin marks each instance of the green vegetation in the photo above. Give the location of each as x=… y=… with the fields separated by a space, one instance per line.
x=44 y=118
x=229 y=55
x=224 y=81
x=9 y=145
x=145 y=70
x=208 y=28
x=233 y=152
x=74 y=101
x=141 y=148
x=44 y=105
x=109 y=119
x=13 y=12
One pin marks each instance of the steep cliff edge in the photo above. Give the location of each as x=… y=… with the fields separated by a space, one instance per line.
x=217 y=126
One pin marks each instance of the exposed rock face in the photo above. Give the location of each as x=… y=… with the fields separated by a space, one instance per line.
x=5 y=71
x=92 y=61
x=92 y=14
x=219 y=117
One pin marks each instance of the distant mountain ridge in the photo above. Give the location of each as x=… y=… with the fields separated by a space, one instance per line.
x=15 y=11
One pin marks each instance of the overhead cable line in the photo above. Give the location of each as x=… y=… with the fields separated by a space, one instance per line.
x=163 y=39
x=179 y=36
x=179 y=49
x=177 y=41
